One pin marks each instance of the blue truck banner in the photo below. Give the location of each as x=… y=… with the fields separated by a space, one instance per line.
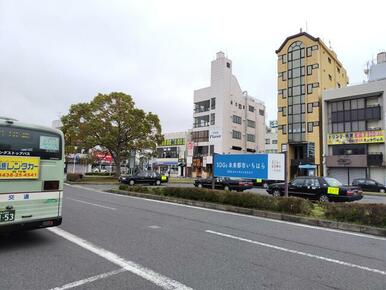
x=254 y=166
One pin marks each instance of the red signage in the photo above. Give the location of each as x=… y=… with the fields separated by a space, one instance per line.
x=103 y=156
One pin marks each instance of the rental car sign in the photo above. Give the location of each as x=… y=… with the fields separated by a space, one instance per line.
x=254 y=166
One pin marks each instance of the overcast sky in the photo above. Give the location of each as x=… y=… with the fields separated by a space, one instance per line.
x=55 y=53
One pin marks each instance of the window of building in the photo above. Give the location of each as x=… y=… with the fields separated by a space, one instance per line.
x=201 y=106
x=231 y=102
x=267 y=141
x=330 y=77
x=228 y=65
x=296 y=91
x=338 y=85
x=284 y=113
x=329 y=60
x=309 y=108
x=201 y=121
x=251 y=108
x=261 y=112
x=274 y=141
x=309 y=70
x=280 y=109
x=236 y=119
x=212 y=119
x=349 y=149
x=338 y=70
x=251 y=138
x=199 y=151
x=251 y=124
x=211 y=150
x=236 y=134
x=309 y=51
x=284 y=58
x=200 y=136
x=315 y=104
x=213 y=103
x=283 y=93
x=240 y=106
x=310 y=127
x=315 y=47
x=309 y=89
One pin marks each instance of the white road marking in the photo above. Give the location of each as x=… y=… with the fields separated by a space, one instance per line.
x=368 y=236
x=154 y=227
x=90 y=203
x=146 y=273
x=298 y=253
x=89 y=280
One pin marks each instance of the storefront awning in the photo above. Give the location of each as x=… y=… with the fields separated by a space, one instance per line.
x=307 y=166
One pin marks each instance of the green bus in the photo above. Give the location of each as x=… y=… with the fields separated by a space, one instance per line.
x=31 y=176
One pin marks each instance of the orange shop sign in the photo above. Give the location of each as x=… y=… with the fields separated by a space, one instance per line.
x=356 y=137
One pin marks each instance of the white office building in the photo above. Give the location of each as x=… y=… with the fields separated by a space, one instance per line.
x=226 y=119
x=271 y=137
x=354 y=122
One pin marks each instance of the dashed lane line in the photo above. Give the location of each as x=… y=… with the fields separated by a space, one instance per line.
x=377 y=271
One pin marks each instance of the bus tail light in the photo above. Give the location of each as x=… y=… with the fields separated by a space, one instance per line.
x=51 y=185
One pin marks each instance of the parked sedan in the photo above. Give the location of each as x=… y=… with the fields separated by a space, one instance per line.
x=146 y=177
x=367 y=184
x=224 y=183
x=318 y=188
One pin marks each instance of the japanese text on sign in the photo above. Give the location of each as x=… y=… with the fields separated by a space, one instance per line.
x=17 y=167
x=262 y=166
x=356 y=137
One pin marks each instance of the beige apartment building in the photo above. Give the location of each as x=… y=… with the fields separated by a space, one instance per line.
x=306 y=67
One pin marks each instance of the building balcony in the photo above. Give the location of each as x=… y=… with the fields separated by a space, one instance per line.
x=375 y=159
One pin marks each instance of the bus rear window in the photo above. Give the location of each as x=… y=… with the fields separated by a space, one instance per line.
x=26 y=142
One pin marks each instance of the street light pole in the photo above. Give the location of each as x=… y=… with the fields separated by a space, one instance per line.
x=285 y=172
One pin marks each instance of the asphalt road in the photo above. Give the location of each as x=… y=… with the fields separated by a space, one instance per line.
x=117 y=242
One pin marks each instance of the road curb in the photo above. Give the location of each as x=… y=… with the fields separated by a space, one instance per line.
x=260 y=213
x=90 y=182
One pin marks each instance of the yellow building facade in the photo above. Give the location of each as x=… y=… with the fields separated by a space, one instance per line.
x=306 y=67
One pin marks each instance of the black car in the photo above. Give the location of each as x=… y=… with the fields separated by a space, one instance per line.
x=148 y=177
x=318 y=188
x=367 y=184
x=224 y=183
x=263 y=182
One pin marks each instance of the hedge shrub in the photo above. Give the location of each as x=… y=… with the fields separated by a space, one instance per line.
x=366 y=214
x=74 y=177
x=99 y=174
x=289 y=205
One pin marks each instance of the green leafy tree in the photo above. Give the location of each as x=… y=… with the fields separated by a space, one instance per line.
x=113 y=122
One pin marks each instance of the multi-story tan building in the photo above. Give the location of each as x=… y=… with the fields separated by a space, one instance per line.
x=306 y=67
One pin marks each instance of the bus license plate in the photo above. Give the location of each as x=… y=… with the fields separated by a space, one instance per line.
x=7 y=216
